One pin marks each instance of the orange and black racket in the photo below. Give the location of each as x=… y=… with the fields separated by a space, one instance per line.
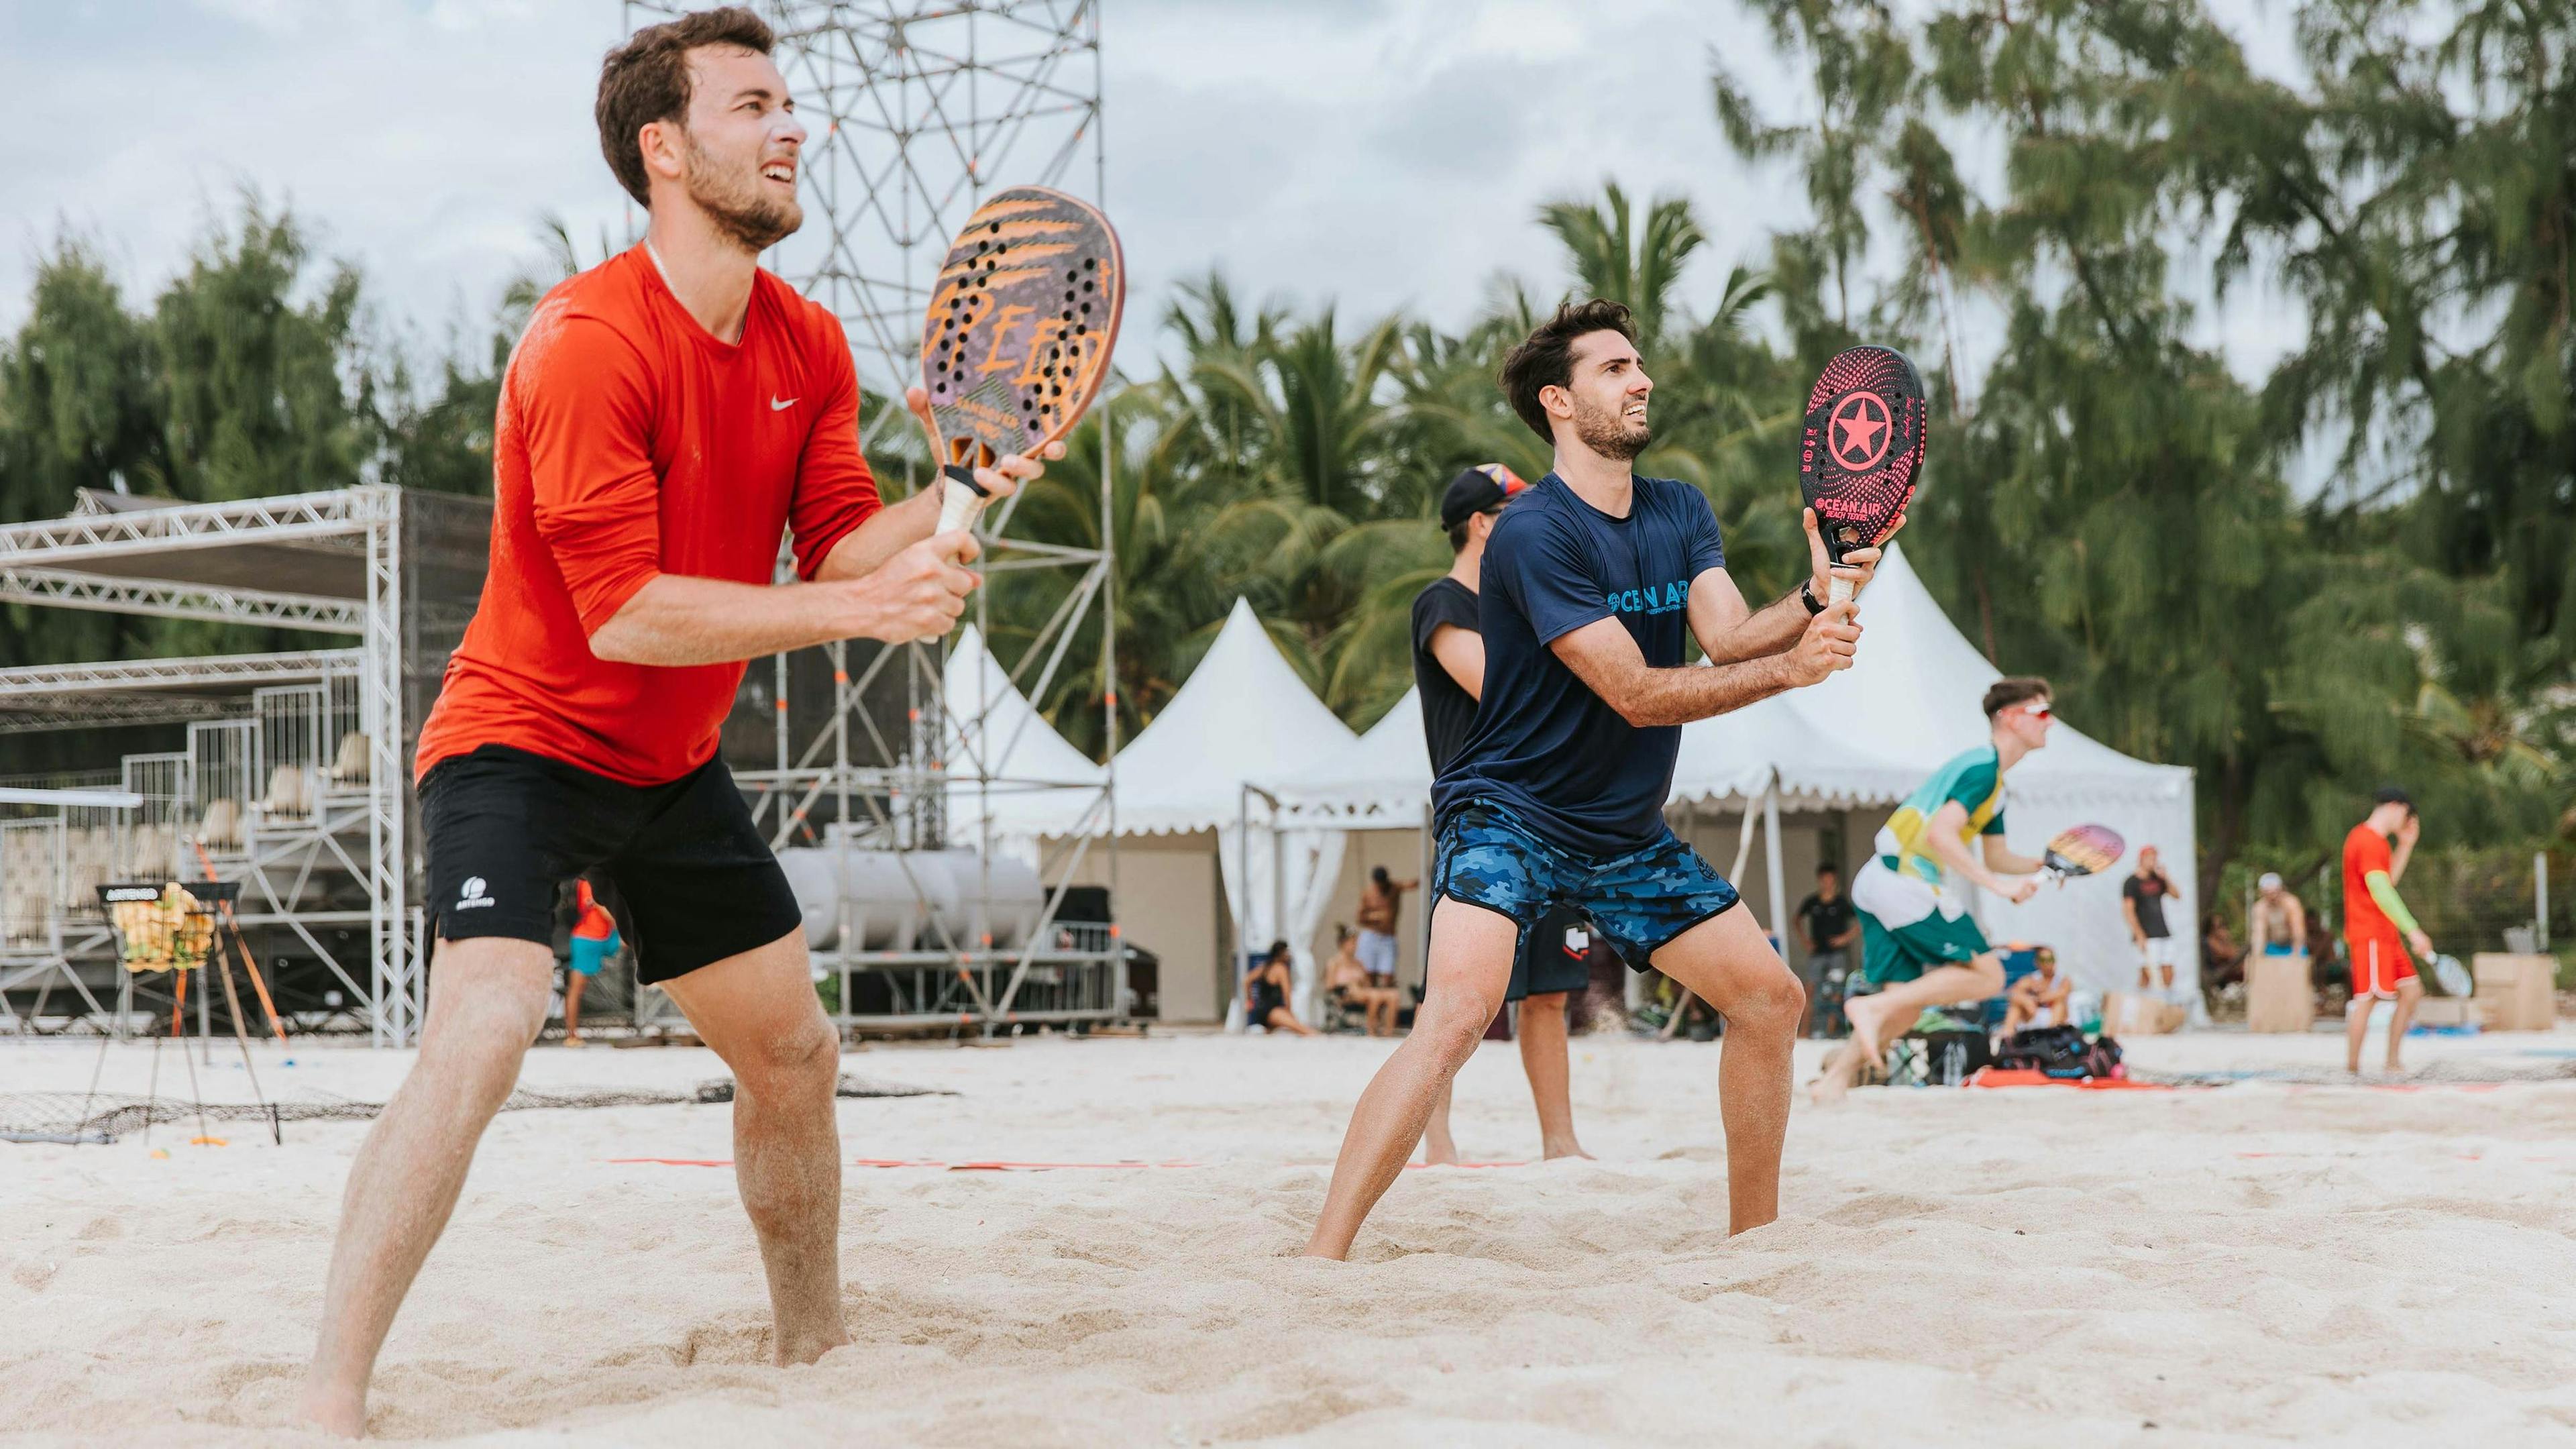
x=1862 y=450
x=1022 y=321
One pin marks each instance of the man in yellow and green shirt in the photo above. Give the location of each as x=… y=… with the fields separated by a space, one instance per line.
x=1919 y=945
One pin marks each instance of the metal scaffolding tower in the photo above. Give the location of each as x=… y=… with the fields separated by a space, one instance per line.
x=915 y=108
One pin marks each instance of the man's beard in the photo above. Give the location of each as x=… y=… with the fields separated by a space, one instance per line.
x=743 y=212
x=1610 y=434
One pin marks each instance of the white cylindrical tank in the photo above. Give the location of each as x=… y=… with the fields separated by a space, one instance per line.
x=896 y=900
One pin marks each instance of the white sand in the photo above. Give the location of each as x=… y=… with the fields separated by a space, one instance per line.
x=2043 y=1267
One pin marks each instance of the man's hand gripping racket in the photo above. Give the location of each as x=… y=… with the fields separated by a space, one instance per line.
x=1858 y=460
x=1022 y=322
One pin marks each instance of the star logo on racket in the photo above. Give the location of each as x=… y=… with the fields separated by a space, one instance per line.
x=1858 y=431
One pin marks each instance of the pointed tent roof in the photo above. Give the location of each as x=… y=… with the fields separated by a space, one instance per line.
x=1243 y=717
x=992 y=725
x=1912 y=700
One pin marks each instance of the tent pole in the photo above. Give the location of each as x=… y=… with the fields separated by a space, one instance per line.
x=1771 y=864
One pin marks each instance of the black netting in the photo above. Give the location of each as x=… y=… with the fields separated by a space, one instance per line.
x=74 y=1117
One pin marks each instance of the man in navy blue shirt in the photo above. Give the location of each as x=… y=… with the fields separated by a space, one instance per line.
x=1593 y=583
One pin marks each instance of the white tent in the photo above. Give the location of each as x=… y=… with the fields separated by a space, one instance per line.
x=1866 y=737
x=993 y=732
x=1241 y=722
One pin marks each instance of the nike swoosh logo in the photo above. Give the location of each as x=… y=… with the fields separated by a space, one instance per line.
x=777 y=406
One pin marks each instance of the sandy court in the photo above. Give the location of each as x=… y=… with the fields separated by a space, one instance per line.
x=2241 y=1265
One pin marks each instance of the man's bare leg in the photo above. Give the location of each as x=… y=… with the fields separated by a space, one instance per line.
x=1881 y=1015
x=487 y=1002
x=1726 y=962
x=572 y=1007
x=1471 y=965
x=759 y=1012
x=2356 y=1030
x=1542 y=1034
x=2409 y=991
x=1439 y=1149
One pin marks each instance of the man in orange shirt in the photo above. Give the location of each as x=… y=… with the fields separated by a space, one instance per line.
x=2373 y=917
x=664 y=418
x=594 y=940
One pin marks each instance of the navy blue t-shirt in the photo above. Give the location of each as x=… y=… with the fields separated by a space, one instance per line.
x=1545 y=746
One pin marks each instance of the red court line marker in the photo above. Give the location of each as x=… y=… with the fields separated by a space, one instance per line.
x=677 y=1161
x=1423 y=1166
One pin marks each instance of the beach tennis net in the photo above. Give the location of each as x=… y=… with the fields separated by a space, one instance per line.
x=100 y=1117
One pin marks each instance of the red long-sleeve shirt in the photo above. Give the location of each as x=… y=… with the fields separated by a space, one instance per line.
x=632 y=443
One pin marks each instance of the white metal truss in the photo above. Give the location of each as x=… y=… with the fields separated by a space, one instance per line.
x=62 y=543
x=108 y=595
x=242 y=671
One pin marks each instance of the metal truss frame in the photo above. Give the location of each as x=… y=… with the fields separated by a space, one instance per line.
x=40 y=563
x=107 y=595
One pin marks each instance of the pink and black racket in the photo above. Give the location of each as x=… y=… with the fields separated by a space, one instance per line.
x=2082 y=850
x=1862 y=449
x=1022 y=322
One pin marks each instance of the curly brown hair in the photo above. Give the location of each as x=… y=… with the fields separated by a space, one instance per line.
x=647 y=80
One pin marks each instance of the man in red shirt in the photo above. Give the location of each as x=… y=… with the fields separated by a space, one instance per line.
x=664 y=417
x=2373 y=917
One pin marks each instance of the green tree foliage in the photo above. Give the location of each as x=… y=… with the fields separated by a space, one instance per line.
x=2108 y=503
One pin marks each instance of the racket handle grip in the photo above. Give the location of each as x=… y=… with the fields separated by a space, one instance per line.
x=960 y=498
x=1839 y=591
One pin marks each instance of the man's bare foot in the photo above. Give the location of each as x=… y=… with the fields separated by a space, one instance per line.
x=1439 y=1151
x=1834 y=1083
x=808 y=1348
x=1550 y=1151
x=333 y=1412
x=1868 y=1018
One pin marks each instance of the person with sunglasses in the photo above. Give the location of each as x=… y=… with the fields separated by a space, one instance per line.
x=1919 y=945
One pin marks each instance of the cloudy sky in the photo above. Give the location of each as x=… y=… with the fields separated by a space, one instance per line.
x=1378 y=153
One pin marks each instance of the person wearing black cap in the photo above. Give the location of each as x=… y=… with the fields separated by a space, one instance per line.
x=1449 y=670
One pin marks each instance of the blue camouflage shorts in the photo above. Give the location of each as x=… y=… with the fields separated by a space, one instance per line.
x=1638 y=901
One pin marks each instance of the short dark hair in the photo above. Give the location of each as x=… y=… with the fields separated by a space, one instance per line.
x=647 y=80
x=1829 y=868
x=2003 y=694
x=2392 y=795
x=1545 y=358
x=1378 y=873
x=1277 y=950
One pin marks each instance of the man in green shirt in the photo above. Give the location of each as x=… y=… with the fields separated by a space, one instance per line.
x=1919 y=945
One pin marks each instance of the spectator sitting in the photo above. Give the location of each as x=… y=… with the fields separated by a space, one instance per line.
x=2222 y=961
x=2038 y=999
x=2278 y=922
x=1265 y=994
x=1346 y=980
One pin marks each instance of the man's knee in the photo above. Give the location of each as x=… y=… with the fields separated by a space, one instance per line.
x=792 y=1059
x=1774 y=999
x=1989 y=969
x=1454 y=1031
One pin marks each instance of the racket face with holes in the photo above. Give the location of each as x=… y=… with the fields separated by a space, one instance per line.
x=2084 y=850
x=1863 y=446
x=1022 y=322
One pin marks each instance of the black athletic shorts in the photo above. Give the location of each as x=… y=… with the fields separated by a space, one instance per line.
x=1543 y=965
x=508 y=829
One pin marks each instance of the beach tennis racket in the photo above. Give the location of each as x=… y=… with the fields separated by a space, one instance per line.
x=2453 y=976
x=1022 y=320
x=1862 y=449
x=2082 y=850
